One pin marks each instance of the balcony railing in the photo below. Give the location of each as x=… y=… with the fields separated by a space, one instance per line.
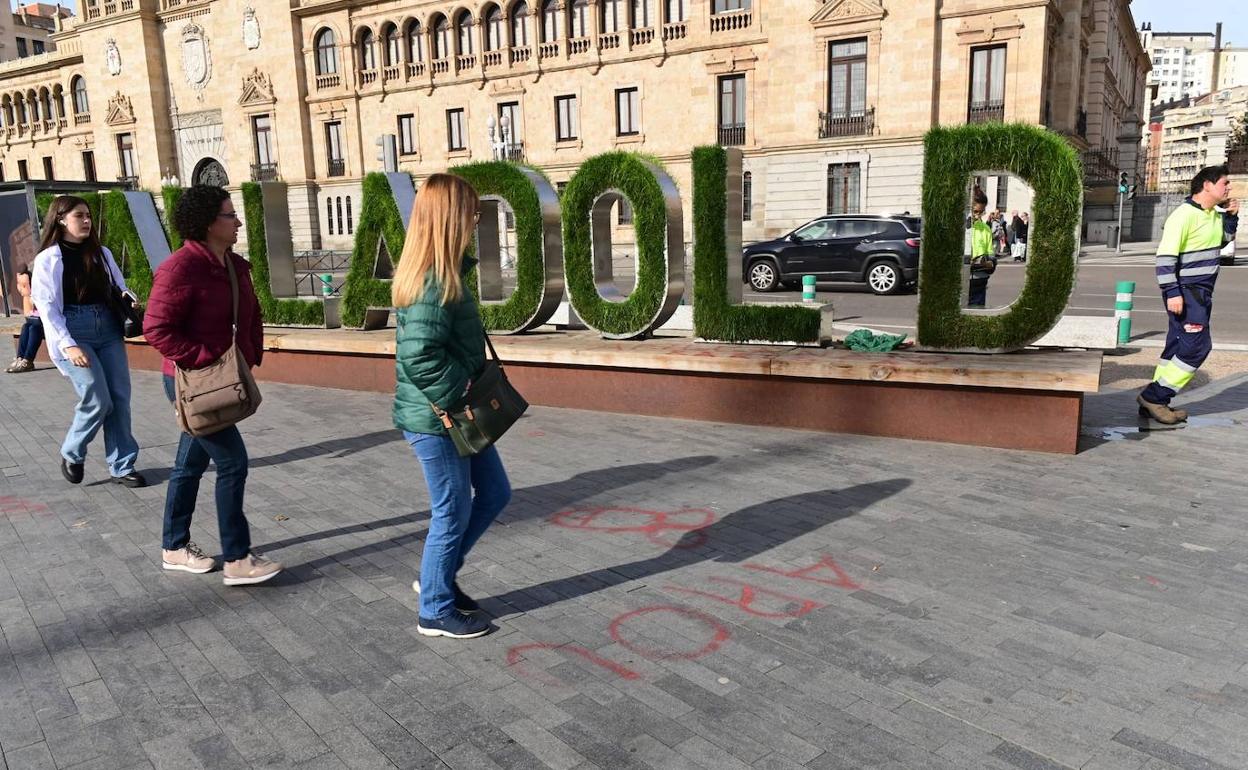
x=548 y=50
x=986 y=112
x=337 y=167
x=133 y=181
x=264 y=172
x=608 y=41
x=675 y=30
x=520 y=54
x=465 y=62
x=390 y=73
x=415 y=69
x=368 y=77
x=1100 y=165
x=492 y=59
x=642 y=36
x=732 y=135
x=852 y=124
x=332 y=80
x=578 y=45
x=441 y=66
x=514 y=152
x=723 y=22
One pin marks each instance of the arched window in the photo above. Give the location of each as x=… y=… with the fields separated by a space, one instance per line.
x=368 y=57
x=8 y=110
x=58 y=95
x=340 y=228
x=350 y=220
x=21 y=109
x=463 y=32
x=578 y=19
x=550 y=21
x=520 y=24
x=45 y=105
x=79 y=87
x=329 y=215
x=613 y=15
x=747 y=195
x=32 y=102
x=415 y=42
x=393 y=44
x=326 y=52
x=494 y=29
x=441 y=38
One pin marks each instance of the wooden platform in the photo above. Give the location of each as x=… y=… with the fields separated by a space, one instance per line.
x=1028 y=400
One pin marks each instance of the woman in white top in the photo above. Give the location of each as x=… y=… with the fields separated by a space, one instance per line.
x=73 y=285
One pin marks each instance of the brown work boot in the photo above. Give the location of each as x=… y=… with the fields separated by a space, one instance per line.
x=1159 y=412
x=1180 y=413
x=249 y=570
x=188 y=559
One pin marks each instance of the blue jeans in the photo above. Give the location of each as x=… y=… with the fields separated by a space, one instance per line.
x=226 y=449
x=31 y=339
x=458 y=518
x=103 y=388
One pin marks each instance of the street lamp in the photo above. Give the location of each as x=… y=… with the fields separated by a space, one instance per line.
x=501 y=148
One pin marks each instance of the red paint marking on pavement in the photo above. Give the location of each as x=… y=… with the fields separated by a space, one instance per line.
x=1152 y=581
x=805 y=573
x=749 y=593
x=10 y=504
x=719 y=633
x=515 y=656
x=654 y=523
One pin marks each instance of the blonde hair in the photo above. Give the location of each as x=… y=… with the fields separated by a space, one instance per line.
x=443 y=218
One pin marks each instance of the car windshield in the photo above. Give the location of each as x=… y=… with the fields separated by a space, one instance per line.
x=818 y=230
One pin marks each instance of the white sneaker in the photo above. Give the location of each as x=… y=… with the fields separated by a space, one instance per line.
x=249 y=570
x=188 y=558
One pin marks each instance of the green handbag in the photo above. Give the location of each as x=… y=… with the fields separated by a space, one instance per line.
x=487 y=410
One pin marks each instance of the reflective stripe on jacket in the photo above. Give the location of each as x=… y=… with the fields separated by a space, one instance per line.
x=1188 y=253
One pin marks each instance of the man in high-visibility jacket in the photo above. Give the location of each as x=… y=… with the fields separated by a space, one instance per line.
x=1187 y=269
x=983 y=262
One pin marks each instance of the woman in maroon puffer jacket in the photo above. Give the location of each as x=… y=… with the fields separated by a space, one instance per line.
x=189 y=321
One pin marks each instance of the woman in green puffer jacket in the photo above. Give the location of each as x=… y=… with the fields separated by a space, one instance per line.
x=441 y=347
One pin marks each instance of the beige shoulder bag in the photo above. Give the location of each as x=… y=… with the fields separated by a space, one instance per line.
x=221 y=394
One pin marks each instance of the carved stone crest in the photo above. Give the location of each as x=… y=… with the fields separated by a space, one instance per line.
x=257 y=89
x=251 y=28
x=120 y=111
x=196 y=63
x=841 y=11
x=112 y=57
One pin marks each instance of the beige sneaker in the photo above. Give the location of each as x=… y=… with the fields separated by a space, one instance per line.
x=188 y=559
x=249 y=570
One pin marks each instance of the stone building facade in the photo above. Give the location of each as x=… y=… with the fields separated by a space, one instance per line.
x=829 y=101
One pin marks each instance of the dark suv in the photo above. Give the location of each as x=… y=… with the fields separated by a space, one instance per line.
x=880 y=251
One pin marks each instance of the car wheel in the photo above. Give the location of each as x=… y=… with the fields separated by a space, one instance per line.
x=764 y=276
x=884 y=278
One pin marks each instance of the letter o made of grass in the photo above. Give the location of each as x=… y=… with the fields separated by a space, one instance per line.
x=658 y=224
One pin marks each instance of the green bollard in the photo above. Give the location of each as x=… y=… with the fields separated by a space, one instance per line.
x=808 y=288
x=1122 y=310
x=327 y=285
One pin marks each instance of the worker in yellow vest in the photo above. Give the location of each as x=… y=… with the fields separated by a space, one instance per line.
x=983 y=261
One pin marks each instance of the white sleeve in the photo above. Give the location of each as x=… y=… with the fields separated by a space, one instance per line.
x=45 y=290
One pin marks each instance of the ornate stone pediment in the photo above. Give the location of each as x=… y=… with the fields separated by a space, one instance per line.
x=845 y=11
x=257 y=90
x=120 y=111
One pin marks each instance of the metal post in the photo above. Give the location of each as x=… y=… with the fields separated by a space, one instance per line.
x=1123 y=302
x=1121 y=200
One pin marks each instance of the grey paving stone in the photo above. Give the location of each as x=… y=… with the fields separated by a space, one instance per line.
x=36 y=756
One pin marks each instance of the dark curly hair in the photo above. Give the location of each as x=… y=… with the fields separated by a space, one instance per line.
x=197 y=209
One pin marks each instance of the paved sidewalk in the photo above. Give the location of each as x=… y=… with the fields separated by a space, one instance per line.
x=669 y=594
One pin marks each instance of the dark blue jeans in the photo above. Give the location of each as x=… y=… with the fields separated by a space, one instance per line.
x=466 y=494
x=226 y=449
x=31 y=340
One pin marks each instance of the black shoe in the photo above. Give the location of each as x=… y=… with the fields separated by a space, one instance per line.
x=463 y=602
x=457 y=625
x=71 y=471
x=133 y=479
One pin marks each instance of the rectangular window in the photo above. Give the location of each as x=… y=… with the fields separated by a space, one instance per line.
x=732 y=110
x=21 y=48
x=1003 y=192
x=625 y=215
x=455 y=133
x=407 y=134
x=641 y=14
x=727 y=6
x=510 y=111
x=47 y=167
x=627 y=111
x=125 y=156
x=987 y=83
x=675 y=10
x=843 y=188
x=567 y=121
x=847 y=78
x=22 y=172
x=560 y=187
x=334 y=149
x=262 y=134
x=613 y=16
x=88 y=165
x=38 y=46
x=747 y=196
